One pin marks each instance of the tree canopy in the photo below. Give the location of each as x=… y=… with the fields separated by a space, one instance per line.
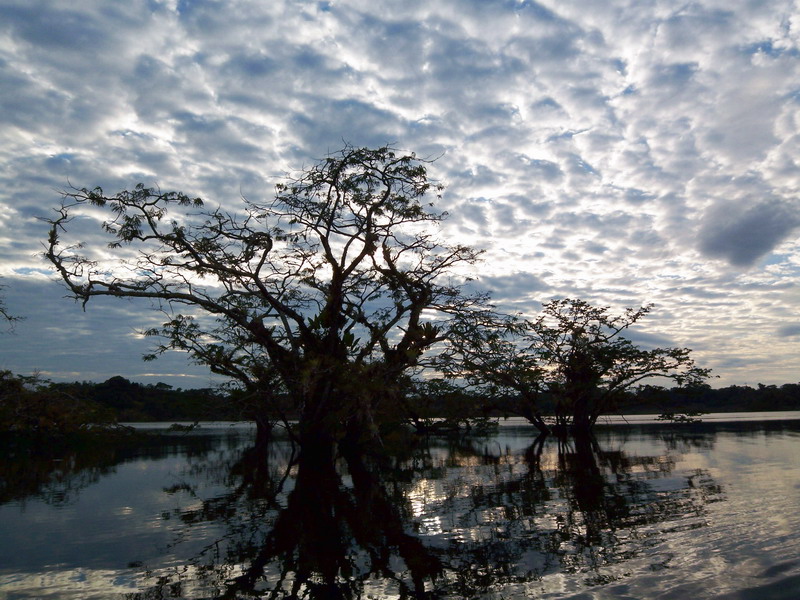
x=573 y=353
x=325 y=295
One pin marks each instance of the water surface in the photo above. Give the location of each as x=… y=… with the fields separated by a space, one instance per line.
x=643 y=511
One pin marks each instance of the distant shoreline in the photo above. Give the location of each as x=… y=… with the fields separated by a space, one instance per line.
x=630 y=419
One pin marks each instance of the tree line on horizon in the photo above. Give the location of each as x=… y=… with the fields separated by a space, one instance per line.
x=28 y=403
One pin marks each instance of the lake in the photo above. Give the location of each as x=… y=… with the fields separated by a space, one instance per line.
x=645 y=510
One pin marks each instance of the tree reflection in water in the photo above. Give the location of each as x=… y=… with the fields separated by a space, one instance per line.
x=455 y=521
x=56 y=469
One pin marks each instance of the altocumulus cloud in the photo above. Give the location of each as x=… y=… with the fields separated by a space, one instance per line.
x=622 y=152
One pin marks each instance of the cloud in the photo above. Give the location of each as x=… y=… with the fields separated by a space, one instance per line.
x=625 y=152
x=791 y=330
x=515 y=289
x=63 y=342
x=742 y=237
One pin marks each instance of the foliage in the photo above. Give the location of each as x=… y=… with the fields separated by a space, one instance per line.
x=439 y=406
x=33 y=404
x=130 y=401
x=590 y=365
x=703 y=399
x=423 y=404
x=325 y=295
x=574 y=353
x=484 y=352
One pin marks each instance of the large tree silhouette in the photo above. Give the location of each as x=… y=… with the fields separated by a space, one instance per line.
x=324 y=295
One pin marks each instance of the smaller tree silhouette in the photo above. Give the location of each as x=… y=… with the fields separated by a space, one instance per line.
x=573 y=355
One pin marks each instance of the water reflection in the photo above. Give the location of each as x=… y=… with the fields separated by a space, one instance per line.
x=684 y=512
x=460 y=519
x=56 y=469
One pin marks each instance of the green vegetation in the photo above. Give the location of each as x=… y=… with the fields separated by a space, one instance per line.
x=703 y=398
x=34 y=404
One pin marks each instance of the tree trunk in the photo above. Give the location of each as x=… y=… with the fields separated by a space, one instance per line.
x=581 y=420
x=263 y=431
x=536 y=419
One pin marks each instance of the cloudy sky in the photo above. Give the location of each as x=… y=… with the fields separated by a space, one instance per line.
x=623 y=152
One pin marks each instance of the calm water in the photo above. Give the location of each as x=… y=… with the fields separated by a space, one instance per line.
x=644 y=511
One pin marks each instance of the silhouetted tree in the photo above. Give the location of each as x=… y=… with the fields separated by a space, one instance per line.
x=484 y=350
x=573 y=353
x=438 y=406
x=325 y=295
x=5 y=314
x=590 y=364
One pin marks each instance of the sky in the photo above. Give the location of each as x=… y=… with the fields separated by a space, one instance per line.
x=624 y=152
